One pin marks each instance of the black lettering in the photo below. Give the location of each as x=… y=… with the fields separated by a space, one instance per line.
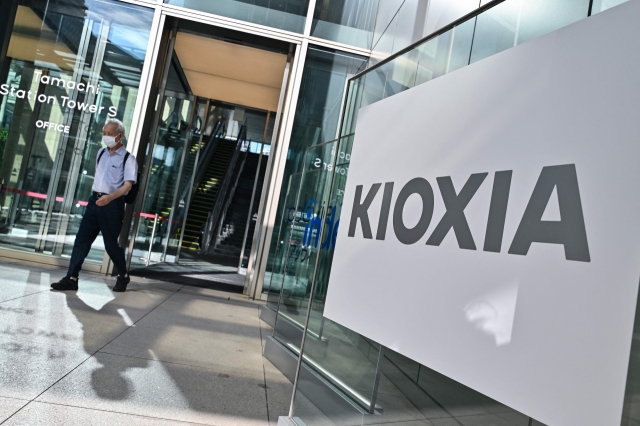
x=360 y=211
x=454 y=216
x=569 y=231
x=497 y=211
x=423 y=188
x=384 y=212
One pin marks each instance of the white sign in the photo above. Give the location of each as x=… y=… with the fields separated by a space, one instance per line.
x=491 y=222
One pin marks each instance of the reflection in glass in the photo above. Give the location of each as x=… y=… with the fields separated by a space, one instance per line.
x=377 y=379
x=316 y=121
x=304 y=243
x=345 y=21
x=516 y=21
x=68 y=68
x=202 y=150
x=164 y=178
x=274 y=285
x=601 y=5
x=289 y=15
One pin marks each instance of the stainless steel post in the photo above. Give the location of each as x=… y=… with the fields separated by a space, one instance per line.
x=153 y=235
x=376 y=384
x=152 y=141
x=176 y=202
x=253 y=194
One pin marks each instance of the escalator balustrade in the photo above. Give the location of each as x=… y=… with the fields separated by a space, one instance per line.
x=206 y=189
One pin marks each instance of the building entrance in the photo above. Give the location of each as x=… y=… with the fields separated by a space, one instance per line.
x=206 y=160
x=65 y=68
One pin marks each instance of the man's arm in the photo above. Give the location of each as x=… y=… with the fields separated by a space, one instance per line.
x=106 y=199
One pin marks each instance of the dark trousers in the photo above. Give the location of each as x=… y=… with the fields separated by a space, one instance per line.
x=107 y=219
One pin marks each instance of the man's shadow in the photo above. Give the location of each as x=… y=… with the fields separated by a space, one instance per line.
x=168 y=387
x=110 y=380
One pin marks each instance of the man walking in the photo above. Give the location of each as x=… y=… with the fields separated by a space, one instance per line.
x=116 y=173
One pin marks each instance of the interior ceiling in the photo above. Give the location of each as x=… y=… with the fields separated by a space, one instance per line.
x=230 y=72
x=32 y=40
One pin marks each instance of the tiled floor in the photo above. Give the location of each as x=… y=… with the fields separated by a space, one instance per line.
x=160 y=353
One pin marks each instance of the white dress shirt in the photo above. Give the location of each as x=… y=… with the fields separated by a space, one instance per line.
x=110 y=175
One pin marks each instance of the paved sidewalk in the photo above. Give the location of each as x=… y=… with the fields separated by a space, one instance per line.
x=158 y=354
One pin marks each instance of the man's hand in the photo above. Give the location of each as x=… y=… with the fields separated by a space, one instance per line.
x=104 y=200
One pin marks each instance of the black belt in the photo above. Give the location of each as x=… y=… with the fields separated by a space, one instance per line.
x=98 y=194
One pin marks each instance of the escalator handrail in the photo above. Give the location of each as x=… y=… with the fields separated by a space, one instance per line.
x=207 y=153
x=229 y=198
x=216 y=210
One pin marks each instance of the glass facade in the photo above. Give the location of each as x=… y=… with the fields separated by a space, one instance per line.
x=303 y=246
x=75 y=63
x=316 y=121
x=157 y=227
x=384 y=386
x=289 y=15
x=68 y=68
x=601 y=5
x=179 y=158
x=350 y=22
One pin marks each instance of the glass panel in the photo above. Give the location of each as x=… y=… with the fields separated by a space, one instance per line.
x=400 y=391
x=303 y=246
x=543 y=16
x=164 y=178
x=274 y=279
x=316 y=120
x=287 y=15
x=68 y=69
x=344 y=358
x=461 y=46
x=600 y=5
x=181 y=202
x=436 y=398
x=373 y=87
x=516 y=21
x=433 y=60
x=218 y=145
x=438 y=56
x=401 y=73
x=496 y=29
x=345 y=21
x=354 y=97
x=406 y=392
x=631 y=408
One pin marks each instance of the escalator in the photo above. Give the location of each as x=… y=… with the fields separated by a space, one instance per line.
x=220 y=170
x=201 y=137
x=206 y=191
x=231 y=235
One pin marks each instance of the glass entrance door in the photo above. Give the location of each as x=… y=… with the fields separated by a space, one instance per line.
x=204 y=181
x=69 y=68
x=164 y=177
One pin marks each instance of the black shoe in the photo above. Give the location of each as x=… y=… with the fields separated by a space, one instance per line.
x=121 y=283
x=66 y=283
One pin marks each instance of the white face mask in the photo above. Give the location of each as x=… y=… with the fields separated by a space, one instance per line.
x=109 y=141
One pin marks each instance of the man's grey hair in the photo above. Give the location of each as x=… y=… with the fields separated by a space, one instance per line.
x=118 y=123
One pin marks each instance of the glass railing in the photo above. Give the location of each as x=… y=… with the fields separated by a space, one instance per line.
x=378 y=385
x=289 y=15
x=349 y=22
